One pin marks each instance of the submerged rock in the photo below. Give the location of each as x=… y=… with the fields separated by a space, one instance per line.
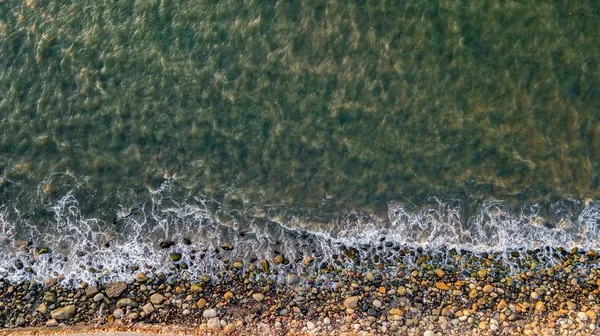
x=166 y=244
x=227 y=246
x=292 y=279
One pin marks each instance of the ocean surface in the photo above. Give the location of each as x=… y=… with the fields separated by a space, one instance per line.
x=292 y=127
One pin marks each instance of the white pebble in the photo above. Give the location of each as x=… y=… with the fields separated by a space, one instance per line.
x=310 y=325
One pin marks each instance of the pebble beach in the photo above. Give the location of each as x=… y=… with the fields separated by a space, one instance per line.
x=466 y=294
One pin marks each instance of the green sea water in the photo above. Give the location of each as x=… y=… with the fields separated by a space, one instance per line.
x=307 y=107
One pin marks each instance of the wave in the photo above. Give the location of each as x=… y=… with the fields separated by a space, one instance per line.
x=90 y=249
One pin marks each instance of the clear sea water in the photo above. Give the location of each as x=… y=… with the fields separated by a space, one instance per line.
x=293 y=126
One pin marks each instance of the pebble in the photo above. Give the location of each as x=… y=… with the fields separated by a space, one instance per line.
x=52 y=323
x=118 y=313
x=310 y=325
x=98 y=297
x=229 y=329
x=213 y=323
x=351 y=302
x=209 y=313
x=488 y=288
x=258 y=297
x=292 y=279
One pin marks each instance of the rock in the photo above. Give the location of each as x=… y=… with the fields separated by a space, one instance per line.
x=395 y=312
x=377 y=303
x=49 y=297
x=539 y=306
x=141 y=278
x=148 y=308
x=238 y=265
x=481 y=273
x=90 y=291
x=351 y=302
x=591 y=314
x=441 y=286
x=166 y=244
x=201 y=303
x=488 y=288
x=582 y=316
x=502 y=305
x=98 y=297
x=308 y=260
x=126 y=302
x=428 y=333
x=186 y=241
x=292 y=279
x=157 y=298
x=133 y=316
x=310 y=325
x=118 y=313
x=326 y=321
x=228 y=296
x=213 y=323
x=52 y=323
x=204 y=278
x=209 y=313
x=21 y=321
x=401 y=291
x=440 y=273
x=49 y=282
x=278 y=259
x=115 y=289
x=258 y=297
x=63 y=313
x=227 y=246
x=175 y=257
x=196 y=288
x=42 y=308
x=186 y=312
x=230 y=328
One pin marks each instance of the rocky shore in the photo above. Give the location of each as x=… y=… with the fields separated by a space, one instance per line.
x=459 y=294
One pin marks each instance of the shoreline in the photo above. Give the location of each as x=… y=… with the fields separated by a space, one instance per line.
x=432 y=296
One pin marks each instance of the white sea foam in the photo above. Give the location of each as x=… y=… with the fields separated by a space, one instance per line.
x=79 y=243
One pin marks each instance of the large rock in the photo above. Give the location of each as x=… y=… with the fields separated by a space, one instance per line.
x=115 y=289
x=148 y=308
x=157 y=298
x=63 y=313
x=351 y=302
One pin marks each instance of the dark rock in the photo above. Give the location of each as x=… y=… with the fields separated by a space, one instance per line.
x=166 y=244
x=227 y=246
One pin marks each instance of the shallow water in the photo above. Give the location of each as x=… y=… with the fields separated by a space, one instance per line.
x=127 y=123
